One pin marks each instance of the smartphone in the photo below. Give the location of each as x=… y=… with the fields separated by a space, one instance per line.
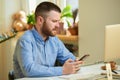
x=84 y=57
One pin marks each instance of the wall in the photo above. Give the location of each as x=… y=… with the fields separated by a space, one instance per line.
x=7 y=9
x=0 y=46
x=60 y=3
x=94 y=16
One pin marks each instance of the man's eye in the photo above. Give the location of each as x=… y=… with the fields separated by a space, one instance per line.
x=54 y=20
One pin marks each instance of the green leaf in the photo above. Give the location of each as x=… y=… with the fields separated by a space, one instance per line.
x=68 y=23
x=67 y=13
x=70 y=15
x=31 y=19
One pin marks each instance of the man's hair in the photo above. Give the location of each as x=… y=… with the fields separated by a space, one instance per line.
x=43 y=8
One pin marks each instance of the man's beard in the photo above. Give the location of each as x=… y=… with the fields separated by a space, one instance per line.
x=49 y=32
x=52 y=33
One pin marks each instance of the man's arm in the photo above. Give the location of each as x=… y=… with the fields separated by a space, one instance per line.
x=63 y=53
x=70 y=64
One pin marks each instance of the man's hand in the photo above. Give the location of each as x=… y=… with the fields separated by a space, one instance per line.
x=71 y=66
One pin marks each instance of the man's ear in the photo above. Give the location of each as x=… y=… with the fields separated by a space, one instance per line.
x=40 y=19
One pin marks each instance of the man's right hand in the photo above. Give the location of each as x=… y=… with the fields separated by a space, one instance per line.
x=71 y=67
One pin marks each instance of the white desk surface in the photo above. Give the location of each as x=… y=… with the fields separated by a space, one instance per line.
x=85 y=73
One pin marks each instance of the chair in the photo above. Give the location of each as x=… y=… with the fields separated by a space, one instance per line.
x=11 y=75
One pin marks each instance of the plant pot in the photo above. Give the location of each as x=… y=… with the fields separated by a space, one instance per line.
x=73 y=30
x=30 y=26
x=61 y=29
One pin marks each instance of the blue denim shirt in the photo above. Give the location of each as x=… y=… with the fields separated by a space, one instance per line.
x=34 y=57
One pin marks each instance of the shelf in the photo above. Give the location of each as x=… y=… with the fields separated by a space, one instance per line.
x=68 y=38
x=61 y=37
x=7 y=38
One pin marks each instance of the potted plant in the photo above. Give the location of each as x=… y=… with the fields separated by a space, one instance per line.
x=31 y=20
x=66 y=15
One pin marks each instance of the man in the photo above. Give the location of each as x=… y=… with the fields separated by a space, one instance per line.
x=38 y=49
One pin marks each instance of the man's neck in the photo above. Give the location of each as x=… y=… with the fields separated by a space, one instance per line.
x=40 y=33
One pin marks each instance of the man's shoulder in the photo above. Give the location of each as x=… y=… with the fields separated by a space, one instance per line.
x=55 y=38
x=27 y=35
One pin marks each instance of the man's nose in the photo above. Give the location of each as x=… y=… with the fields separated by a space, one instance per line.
x=57 y=24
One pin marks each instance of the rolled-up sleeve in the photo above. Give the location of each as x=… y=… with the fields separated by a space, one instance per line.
x=63 y=52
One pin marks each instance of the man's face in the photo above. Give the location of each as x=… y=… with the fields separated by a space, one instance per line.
x=51 y=24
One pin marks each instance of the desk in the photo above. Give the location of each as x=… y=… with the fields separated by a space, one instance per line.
x=85 y=73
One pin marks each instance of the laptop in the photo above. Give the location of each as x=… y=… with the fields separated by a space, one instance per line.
x=112 y=43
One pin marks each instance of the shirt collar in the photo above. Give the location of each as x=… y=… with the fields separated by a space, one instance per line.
x=36 y=34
